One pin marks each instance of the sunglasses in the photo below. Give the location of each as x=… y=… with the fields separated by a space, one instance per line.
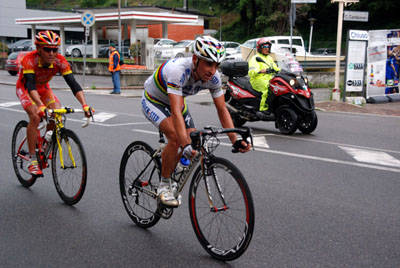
x=265 y=46
x=49 y=49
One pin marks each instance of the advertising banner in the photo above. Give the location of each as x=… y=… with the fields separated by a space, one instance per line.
x=355 y=61
x=383 y=62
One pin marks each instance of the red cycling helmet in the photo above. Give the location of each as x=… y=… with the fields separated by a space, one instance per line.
x=47 y=38
x=263 y=41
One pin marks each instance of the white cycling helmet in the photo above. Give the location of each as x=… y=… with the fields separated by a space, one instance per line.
x=209 y=49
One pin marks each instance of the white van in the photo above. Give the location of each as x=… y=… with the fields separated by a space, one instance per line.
x=281 y=42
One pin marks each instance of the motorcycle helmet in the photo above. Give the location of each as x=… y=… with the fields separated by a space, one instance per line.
x=47 y=38
x=263 y=41
x=209 y=49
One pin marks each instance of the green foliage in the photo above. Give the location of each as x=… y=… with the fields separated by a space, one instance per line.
x=3 y=47
x=256 y=18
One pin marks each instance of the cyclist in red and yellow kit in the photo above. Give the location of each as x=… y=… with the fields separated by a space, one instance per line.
x=38 y=67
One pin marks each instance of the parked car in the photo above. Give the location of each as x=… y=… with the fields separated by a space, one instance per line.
x=13 y=62
x=78 y=50
x=104 y=51
x=325 y=51
x=235 y=55
x=230 y=47
x=21 y=45
x=281 y=42
x=182 y=48
x=163 y=42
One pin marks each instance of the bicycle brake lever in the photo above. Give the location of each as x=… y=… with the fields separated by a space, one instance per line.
x=87 y=122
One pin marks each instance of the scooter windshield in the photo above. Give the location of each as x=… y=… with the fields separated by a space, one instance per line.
x=286 y=61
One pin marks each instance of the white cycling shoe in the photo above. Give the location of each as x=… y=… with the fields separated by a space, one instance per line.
x=166 y=194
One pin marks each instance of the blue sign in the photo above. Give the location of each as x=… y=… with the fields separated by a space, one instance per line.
x=88 y=19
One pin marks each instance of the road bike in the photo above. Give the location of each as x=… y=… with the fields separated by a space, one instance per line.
x=62 y=148
x=220 y=202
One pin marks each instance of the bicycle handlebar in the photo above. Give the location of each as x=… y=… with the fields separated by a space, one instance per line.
x=68 y=110
x=244 y=132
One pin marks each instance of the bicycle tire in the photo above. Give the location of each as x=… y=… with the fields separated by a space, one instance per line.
x=236 y=220
x=141 y=208
x=19 y=146
x=70 y=180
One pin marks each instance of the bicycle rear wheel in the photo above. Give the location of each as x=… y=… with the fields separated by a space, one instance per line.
x=20 y=155
x=221 y=210
x=140 y=206
x=69 y=178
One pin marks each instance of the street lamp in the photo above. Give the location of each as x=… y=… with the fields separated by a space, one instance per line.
x=311 y=20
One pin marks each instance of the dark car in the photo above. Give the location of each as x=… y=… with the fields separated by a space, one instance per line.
x=21 y=45
x=13 y=62
x=104 y=53
x=325 y=51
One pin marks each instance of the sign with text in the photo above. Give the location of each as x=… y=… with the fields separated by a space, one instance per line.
x=358 y=35
x=356 y=51
x=355 y=16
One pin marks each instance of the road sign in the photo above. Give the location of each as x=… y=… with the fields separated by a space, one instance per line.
x=304 y=1
x=355 y=15
x=87 y=19
x=358 y=35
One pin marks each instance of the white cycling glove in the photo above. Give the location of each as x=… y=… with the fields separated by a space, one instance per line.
x=187 y=151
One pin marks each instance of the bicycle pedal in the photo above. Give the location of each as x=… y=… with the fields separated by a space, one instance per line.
x=164 y=211
x=37 y=176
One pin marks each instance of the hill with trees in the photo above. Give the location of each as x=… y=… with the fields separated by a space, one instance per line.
x=245 y=19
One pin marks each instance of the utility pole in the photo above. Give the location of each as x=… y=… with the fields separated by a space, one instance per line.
x=342 y=3
x=119 y=25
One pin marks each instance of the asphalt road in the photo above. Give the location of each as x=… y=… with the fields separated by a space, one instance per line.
x=330 y=199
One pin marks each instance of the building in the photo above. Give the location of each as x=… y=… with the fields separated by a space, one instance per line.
x=140 y=22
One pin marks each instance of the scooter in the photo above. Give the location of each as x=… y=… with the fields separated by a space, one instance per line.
x=290 y=99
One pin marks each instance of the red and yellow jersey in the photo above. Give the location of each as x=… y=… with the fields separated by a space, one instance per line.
x=43 y=74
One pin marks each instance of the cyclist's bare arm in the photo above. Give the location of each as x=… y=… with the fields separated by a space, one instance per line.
x=77 y=91
x=226 y=121
x=177 y=103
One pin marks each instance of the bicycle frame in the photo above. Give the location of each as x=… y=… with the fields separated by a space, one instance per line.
x=57 y=118
x=204 y=155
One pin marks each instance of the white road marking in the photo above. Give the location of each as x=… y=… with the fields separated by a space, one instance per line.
x=101 y=117
x=9 y=104
x=373 y=157
x=145 y=131
x=260 y=141
x=324 y=159
x=327 y=142
x=390 y=160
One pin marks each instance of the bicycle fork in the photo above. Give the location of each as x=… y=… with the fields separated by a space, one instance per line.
x=210 y=172
x=60 y=151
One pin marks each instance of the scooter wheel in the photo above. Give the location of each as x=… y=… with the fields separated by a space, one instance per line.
x=308 y=123
x=286 y=120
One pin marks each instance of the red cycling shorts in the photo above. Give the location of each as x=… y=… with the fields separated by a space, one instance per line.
x=46 y=95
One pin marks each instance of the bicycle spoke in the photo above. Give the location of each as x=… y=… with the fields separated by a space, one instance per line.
x=69 y=167
x=225 y=228
x=137 y=160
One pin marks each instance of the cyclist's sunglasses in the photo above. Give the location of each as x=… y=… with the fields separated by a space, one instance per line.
x=265 y=46
x=49 y=49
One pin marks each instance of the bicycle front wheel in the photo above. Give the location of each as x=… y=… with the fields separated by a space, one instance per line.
x=139 y=175
x=20 y=155
x=68 y=166
x=221 y=209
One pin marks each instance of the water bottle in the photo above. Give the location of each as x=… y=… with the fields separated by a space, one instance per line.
x=180 y=168
x=48 y=135
x=182 y=164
